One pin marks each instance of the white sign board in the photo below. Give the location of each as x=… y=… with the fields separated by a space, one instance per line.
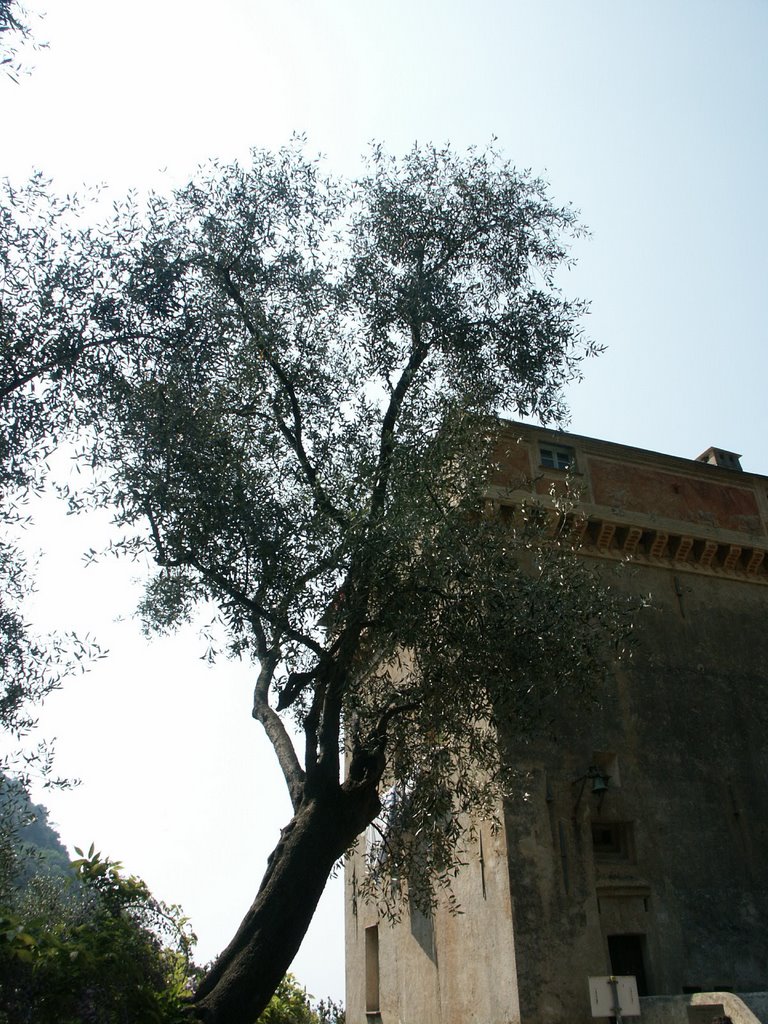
x=605 y=991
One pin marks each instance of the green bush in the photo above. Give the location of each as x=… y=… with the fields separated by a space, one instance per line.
x=98 y=949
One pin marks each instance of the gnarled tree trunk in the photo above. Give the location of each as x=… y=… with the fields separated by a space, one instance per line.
x=243 y=979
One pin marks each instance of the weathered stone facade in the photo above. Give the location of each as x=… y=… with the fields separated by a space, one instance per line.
x=639 y=844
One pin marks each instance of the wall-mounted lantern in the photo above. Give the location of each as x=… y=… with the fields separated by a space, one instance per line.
x=599 y=780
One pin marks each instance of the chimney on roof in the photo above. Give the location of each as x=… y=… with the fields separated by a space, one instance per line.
x=718 y=457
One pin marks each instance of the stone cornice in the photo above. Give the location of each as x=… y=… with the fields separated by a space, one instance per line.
x=647 y=541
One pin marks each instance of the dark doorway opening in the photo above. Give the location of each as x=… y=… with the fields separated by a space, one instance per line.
x=626 y=953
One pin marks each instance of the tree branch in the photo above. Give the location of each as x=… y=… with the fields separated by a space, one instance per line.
x=296 y=682
x=239 y=597
x=254 y=606
x=294 y=435
x=22 y=379
x=419 y=352
x=275 y=729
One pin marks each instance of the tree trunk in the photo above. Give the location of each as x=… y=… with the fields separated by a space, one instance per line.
x=243 y=979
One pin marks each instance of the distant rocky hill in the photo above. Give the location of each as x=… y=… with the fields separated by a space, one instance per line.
x=29 y=845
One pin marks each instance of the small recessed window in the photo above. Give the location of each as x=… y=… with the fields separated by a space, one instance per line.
x=556 y=457
x=372 y=971
x=612 y=840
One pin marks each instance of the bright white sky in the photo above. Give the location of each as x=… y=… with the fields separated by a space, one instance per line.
x=649 y=115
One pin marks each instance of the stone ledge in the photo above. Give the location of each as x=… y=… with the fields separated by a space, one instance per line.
x=692 y=1009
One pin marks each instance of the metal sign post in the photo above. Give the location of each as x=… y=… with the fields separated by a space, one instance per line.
x=613 y=981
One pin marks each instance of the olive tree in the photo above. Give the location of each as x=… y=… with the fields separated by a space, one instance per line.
x=300 y=430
